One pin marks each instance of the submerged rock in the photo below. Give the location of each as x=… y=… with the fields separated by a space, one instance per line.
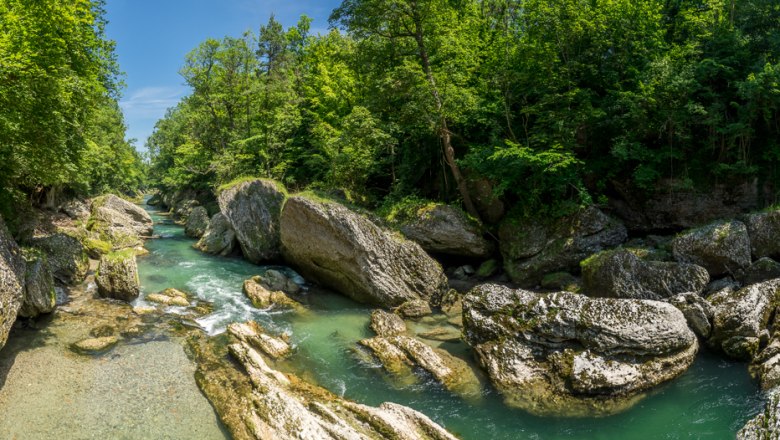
x=39 y=294
x=742 y=318
x=197 y=222
x=117 y=276
x=621 y=274
x=263 y=403
x=343 y=250
x=534 y=248
x=563 y=353
x=723 y=248
x=444 y=229
x=95 y=345
x=253 y=208
x=218 y=238
x=766 y=425
x=66 y=255
x=12 y=269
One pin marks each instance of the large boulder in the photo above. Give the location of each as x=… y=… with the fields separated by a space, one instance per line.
x=253 y=208
x=697 y=311
x=117 y=276
x=39 y=294
x=76 y=209
x=766 y=425
x=762 y=269
x=344 y=250
x=533 y=248
x=12 y=271
x=443 y=229
x=723 y=248
x=119 y=213
x=764 y=228
x=564 y=353
x=218 y=238
x=621 y=274
x=67 y=257
x=197 y=222
x=742 y=318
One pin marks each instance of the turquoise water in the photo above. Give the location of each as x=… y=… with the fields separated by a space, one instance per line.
x=712 y=400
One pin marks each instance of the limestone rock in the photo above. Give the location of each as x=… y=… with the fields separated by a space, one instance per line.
x=400 y=354
x=253 y=208
x=265 y=404
x=414 y=309
x=262 y=298
x=387 y=324
x=722 y=248
x=218 y=238
x=741 y=318
x=621 y=274
x=534 y=248
x=197 y=222
x=117 y=276
x=764 y=228
x=12 y=271
x=121 y=214
x=762 y=269
x=765 y=426
x=341 y=249
x=255 y=335
x=275 y=280
x=170 y=297
x=697 y=311
x=76 y=209
x=66 y=255
x=563 y=353
x=39 y=294
x=443 y=229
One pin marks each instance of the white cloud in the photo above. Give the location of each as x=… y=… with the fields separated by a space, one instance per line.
x=151 y=102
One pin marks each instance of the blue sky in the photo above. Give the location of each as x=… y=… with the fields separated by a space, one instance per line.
x=153 y=36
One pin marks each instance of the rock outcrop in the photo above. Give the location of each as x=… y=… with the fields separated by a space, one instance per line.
x=39 y=294
x=218 y=238
x=621 y=274
x=343 y=250
x=116 y=215
x=256 y=336
x=742 y=318
x=66 y=255
x=534 y=248
x=563 y=353
x=265 y=404
x=12 y=269
x=117 y=276
x=197 y=222
x=723 y=248
x=443 y=229
x=766 y=425
x=253 y=208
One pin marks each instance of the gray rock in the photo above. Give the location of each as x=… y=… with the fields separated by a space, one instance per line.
x=762 y=269
x=253 y=208
x=414 y=309
x=741 y=318
x=766 y=425
x=534 y=248
x=443 y=229
x=263 y=298
x=12 y=271
x=120 y=213
x=697 y=311
x=341 y=249
x=721 y=284
x=764 y=228
x=766 y=365
x=621 y=274
x=387 y=324
x=66 y=255
x=76 y=209
x=277 y=281
x=117 y=276
x=255 y=335
x=563 y=353
x=723 y=248
x=218 y=238
x=197 y=222
x=95 y=345
x=39 y=294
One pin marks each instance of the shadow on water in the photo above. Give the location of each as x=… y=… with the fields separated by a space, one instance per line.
x=26 y=335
